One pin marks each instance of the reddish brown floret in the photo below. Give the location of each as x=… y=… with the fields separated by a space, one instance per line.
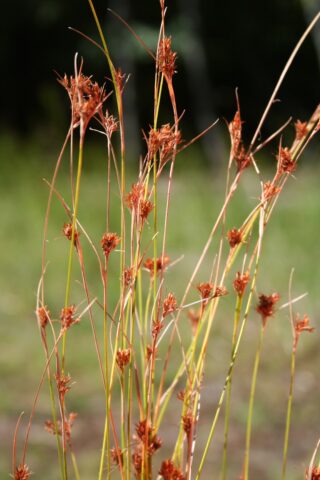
x=43 y=315
x=235 y=129
x=315 y=474
x=137 y=462
x=67 y=232
x=110 y=124
x=67 y=317
x=86 y=98
x=266 y=305
x=169 y=472
x=145 y=208
x=150 y=351
x=220 y=292
x=22 y=472
x=166 y=59
x=51 y=428
x=117 y=456
x=109 y=242
x=234 y=237
x=187 y=423
x=302 y=325
x=123 y=358
x=286 y=164
x=243 y=160
x=134 y=197
x=270 y=190
x=145 y=435
x=119 y=78
x=169 y=304
x=205 y=290
x=157 y=326
x=165 y=140
x=128 y=276
x=240 y=282
x=301 y=129
x=63 y=385
x=161 y=264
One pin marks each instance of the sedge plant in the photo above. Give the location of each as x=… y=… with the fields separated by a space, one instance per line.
x=136 y=336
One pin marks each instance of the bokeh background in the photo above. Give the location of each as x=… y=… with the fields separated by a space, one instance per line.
x=221 y=46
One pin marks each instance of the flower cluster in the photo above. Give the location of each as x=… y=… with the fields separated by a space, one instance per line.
x=166 y=58
x=86 y=98
x=266 y=305
x=168 y=471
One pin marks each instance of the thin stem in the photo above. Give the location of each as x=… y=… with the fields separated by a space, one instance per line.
x=288 y=418
x=72 y=246
x=237 y=314
x=251 y=403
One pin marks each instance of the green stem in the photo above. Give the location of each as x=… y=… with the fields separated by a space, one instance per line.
x=289 y=408
x=228 y=399
x=251 y=403
x=71 y=250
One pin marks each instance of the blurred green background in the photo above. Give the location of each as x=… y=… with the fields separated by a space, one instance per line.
x=220 y=47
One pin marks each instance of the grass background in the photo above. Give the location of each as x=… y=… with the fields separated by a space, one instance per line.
x=291 y=241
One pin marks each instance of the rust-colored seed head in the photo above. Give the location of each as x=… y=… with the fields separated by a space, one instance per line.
x=169 y=304
x=63 y=384
x=143 y=429
x=137 y=462
x=123 y=358
x=165 y=140
x=301 y=325
x=86 y=98
x=134 y=197
x=145 y=208
x=120 y=78
x=161 y=264
x=243 y=160
x=128 y=276
x=235 y=129
x=220 y=292
x=169 y=472
x=205 y=289
x=234 y=237
x=155 y=444
x=187 y=422
x=22 y=472
x=315 y=474
x=301 y=129
x=67 y=317
x=240 y=282
x=110 y=124
x=43 y=315
x=286 y=164
x=117 y=456
x=157 y=326
x=166 y=59
x=265 y=306
x=67 y=232
x=149 y=352
x=51 y=428
x=270 y=190
x=109 y=242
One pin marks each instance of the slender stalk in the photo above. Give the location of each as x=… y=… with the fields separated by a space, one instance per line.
x=71 y=250
x=237 y=314
x=251 y=403
x=288 y=417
